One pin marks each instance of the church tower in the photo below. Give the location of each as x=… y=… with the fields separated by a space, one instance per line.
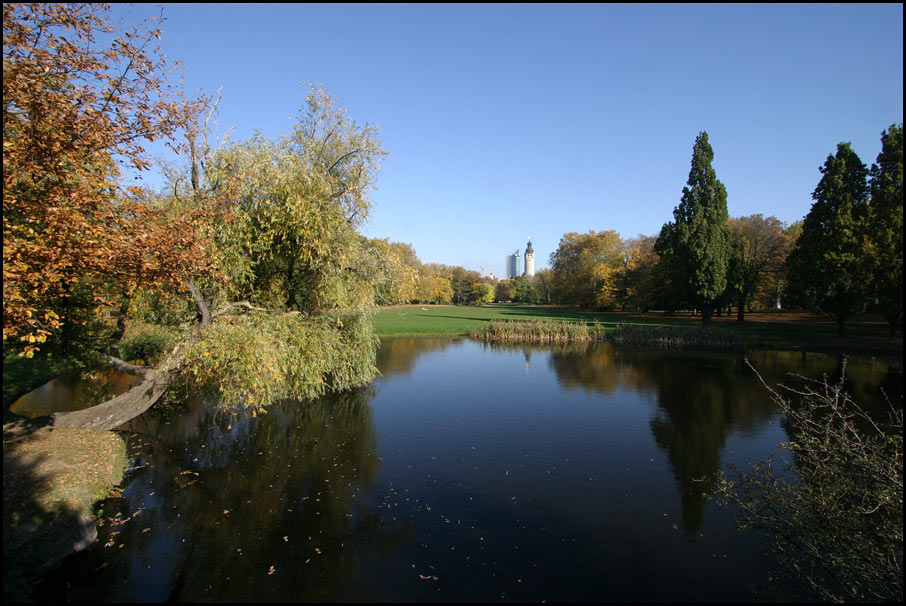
x=529 y=260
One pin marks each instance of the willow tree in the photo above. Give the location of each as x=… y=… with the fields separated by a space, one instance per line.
x=696 y=247
x=885 y=228
x=827 y=268
x=283 y=299
x=286 y=314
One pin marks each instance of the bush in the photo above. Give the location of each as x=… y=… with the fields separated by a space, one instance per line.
x=833 y=514
x=147 y=342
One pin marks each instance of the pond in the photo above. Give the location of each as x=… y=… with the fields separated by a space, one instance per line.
x=466 y=472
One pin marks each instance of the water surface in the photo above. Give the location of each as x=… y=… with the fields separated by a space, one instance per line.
x=466 y=472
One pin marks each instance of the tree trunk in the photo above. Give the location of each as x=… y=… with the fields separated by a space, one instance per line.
x=707 y=311
x=122 y=408
x=203 y=310
x=740 y=308
x=841 y=327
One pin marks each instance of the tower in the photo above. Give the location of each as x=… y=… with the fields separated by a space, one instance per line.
x=529 y=259
x=512 y=265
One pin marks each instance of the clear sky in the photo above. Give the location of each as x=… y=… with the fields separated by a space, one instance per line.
x=509 y=121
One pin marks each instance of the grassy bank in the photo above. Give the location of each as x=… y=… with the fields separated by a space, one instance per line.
x=51 y=480
x=770 y=329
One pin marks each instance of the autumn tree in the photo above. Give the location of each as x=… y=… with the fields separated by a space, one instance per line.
x=81 y=99
x=585 y=268
x=773 y=287
x=482 y=292
x=884 y=249
x=827 y=267
x=761 y=248
x=639 y=279
x=399 y=269
x=434 y=284
x=462 y=280
x=696 y=246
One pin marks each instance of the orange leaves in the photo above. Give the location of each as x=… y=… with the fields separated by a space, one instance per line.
x=71 y=104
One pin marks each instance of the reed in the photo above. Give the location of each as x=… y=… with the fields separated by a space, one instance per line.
x=538 y=331
x=674 y=337
x=552 y=331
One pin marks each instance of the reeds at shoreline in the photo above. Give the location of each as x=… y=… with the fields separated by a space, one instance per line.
x=540 y=331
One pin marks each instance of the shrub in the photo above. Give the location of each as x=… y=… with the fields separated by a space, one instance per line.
x=833 y=513
x=147 y=342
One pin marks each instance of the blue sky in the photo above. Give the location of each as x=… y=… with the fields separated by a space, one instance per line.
x=508 y=121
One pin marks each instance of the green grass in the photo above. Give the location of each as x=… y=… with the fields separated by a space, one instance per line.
x=774 y=329
x=450 y=320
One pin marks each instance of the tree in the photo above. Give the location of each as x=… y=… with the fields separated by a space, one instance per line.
x=827 y=267
x=696 y=247
x=584 y=268
x=399 y=268
x=462 y=280
x=638 y=281
x=524 y=290
x=74 y=112
x=774 y=285
x=434 y=284
x=885 y=228
x=295 y=270
x=543 y=285
x=761 y=247
x=481 y=292
x=503 y=291
x=833 y=514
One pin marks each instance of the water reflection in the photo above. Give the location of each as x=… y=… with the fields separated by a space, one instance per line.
x=467 y=472
x=67 y=394
x=701 y=398
x=234 y=507
x=398 y=356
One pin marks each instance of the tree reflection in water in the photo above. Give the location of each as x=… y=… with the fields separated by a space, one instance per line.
x=234 y=507
x=702 y=398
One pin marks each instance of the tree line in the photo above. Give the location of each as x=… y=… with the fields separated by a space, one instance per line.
x=251 y=255
x=844 y=257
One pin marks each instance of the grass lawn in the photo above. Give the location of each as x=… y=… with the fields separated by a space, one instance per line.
x=769 y=328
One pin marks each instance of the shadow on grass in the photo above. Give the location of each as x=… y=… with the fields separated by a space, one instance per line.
x=36 y=534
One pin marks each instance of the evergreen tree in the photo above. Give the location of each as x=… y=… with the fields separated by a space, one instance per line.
x=827 y=264
x=885 y=228
x=696 y=247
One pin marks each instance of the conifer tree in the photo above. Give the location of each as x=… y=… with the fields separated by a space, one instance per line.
x=827 y=264
x=885 y=228
x=696 y=247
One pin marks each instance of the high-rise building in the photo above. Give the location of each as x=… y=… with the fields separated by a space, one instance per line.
x=512 y=265
x=529 y=260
